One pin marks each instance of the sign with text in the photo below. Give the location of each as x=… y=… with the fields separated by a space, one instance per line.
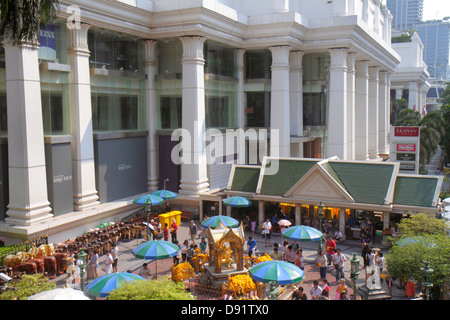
x=406 y=131
x=405 y=146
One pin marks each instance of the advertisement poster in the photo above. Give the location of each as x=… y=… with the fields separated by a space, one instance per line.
x=405 y=148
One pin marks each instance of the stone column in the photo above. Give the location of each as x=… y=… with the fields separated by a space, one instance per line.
x=386 y=225
x=241 y=148
x=384 y=110
x=241 y=93
x=151 y=107
x=298 y=214
x=351 y=73
x=28 y=201
x=261 y=214
x=342 y=222
x=279 y=105
x=398 y=94
x=337 y=113
x=413 y=97
x=373 y=112
x=194 y=177
x=83 y=164
x=361 y=110
x=296 y=98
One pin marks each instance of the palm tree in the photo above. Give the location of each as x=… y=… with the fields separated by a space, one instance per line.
x=20 y=19
x=397 y=106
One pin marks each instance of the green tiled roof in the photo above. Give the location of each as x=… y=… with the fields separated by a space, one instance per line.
x=328 y=168
x=366 y=183
x=245 y=179
x=289 y=172
x=415 y=191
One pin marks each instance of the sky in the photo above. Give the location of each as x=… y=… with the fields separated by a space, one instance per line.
x=436 y=9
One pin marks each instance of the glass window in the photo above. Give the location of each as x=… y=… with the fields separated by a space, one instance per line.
x=257 y=64
x=118 y=93
x=169 y=55
x=111 y=112
x=53 y=113
x=257 y=112
x=170 y=110
x=314 y=109
x=111 y=50
x=217 y=112
x=54 y=83
x=219 y=59
x=168 y=82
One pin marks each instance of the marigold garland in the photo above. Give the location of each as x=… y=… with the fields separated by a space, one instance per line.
x=241 y=284
x=182 y=271
x=263 y=258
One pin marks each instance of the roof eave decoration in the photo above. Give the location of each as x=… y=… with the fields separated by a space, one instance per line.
x=315 y=175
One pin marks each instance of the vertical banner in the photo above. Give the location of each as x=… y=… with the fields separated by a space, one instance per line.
x=405 y=146
x=47 y=42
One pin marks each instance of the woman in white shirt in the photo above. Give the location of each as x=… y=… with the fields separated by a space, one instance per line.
x=267 y=226
x=108 y=263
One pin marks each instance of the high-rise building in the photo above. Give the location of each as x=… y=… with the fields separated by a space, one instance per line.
x=435 y=36
x=405 y=13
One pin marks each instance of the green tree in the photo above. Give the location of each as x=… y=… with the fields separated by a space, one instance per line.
x=406 y=260
x=161 y=289
x=20 y=19
x=422 y=239
x=422 y=225
x=445 y=99
x=397 y=106
x=445 y=143
x=27 y=286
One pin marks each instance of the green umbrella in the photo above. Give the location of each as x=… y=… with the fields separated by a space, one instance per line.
x=302 y=233
x=279 y=271
x=102 y=286
x=156 y=249
x=237 y=202
x=148 y=201
x=165 y=194
x=214 y=221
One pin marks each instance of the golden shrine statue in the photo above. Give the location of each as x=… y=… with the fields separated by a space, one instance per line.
x=223 y=256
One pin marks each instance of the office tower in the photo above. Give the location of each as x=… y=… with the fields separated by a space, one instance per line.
x=406 y=13
x=435 y=36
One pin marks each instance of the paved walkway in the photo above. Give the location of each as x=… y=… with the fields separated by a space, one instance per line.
x=127 y=261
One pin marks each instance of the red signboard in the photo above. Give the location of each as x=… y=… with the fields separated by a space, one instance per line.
x=406 y=147
x=406 y=131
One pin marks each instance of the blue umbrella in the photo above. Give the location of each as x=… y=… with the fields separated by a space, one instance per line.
x=102 y=287
x=148 y=199
x=302 y=233
x=214 y=221
x=156 y=249
x=237 y=202
x=415 y=240
x=165 y=194
x=279 y=271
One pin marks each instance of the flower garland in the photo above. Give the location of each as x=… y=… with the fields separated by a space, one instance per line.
x=241 y=284
x=263 y=258
x=182 y=271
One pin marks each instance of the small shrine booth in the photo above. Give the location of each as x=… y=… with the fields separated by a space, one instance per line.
x=226 y=248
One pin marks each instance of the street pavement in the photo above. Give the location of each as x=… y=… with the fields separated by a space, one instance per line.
x=129 y=263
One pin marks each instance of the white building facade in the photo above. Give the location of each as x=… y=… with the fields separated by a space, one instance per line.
x=411 y=75
x=90 y=115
